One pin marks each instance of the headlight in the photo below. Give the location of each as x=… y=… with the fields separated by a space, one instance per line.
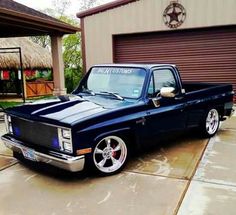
x=65 y=140
x=66 y=133
x=67 y=146
x=9 y=118
x=8 y=124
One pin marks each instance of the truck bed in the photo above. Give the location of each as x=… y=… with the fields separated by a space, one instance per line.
x=218 y=94
x=191 y=87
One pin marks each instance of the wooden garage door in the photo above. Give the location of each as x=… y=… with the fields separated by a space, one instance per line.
x=206 y=55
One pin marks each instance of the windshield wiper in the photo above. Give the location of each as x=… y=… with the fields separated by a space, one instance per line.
x=88 y=91
x=112 y=94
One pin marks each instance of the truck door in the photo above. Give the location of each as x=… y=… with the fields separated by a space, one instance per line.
x=169 y=114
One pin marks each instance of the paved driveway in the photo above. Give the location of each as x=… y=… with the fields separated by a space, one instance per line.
x=187 y=175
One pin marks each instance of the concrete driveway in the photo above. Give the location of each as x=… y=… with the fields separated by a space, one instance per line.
x=187 y=175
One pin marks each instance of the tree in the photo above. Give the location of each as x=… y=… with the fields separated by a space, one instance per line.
x=43 y=41
x=71 y=43
x=59 y=11
x=72 y=57
x=84 y=5
x=60 y=7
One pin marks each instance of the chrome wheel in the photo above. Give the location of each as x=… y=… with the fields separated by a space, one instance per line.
x=212 y=121
x=110 y=154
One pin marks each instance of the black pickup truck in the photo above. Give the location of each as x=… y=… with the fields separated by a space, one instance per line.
x=114 y=110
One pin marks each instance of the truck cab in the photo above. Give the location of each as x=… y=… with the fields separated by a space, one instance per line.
x=115 y=109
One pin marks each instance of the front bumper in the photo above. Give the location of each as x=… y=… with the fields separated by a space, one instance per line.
x=67 y=162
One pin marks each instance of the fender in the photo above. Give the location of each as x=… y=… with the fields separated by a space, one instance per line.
x=126 y=130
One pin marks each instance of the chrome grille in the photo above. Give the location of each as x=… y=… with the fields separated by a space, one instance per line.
x=35 y=133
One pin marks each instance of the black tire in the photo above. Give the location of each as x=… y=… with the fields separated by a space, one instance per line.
x=18 y=156
x=110 y=155
x=210 y=123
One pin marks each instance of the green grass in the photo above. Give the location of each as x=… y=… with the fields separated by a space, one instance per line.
x=39 y=97
x=9 y=104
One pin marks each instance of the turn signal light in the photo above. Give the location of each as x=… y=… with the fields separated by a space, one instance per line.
x=84 y=151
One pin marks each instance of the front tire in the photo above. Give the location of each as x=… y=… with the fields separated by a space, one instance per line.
x=211 y=123
x=110 y=155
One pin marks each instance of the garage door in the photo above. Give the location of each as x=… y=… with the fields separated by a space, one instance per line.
x=206 y=55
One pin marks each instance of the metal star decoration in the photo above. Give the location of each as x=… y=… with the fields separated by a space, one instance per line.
x=174 y=15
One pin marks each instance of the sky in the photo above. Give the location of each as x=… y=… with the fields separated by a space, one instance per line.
x=42 y=4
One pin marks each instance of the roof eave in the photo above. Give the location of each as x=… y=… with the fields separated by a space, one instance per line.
x=103 y=8
x=59 y=26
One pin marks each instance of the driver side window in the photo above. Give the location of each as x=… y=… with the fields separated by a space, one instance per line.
x=161 y=78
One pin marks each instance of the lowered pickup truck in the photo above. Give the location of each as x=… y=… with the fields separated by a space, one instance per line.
x=115 y=109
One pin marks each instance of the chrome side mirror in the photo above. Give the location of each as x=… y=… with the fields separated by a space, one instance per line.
x=167 y=92
x=156 y=101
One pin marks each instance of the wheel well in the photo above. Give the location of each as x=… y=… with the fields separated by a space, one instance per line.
x=220 y=110
x=127 y=135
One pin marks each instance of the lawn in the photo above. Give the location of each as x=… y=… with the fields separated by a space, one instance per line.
x=7 y=104
x=4 y=104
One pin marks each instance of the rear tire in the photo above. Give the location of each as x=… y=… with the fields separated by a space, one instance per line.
x=210 y=123
x=110 y=155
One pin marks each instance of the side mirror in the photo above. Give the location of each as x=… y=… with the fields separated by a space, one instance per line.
x=167 y=92
x=156 y=101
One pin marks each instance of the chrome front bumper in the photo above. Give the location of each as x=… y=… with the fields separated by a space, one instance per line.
x=67 y=162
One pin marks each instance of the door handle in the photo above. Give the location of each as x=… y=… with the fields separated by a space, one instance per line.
x=141 y=121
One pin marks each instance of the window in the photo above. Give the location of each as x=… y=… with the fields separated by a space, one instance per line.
x=161 y=78
x=127 y=82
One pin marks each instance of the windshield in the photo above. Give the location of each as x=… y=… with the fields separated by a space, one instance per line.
x=126 y=82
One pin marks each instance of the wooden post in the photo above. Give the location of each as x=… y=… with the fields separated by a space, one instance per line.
x=24 y=91
x=58 y=66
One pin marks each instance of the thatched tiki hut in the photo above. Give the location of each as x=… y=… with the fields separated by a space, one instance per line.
x=37 y=67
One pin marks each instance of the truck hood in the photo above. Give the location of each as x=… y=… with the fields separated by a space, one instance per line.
x=67 y=112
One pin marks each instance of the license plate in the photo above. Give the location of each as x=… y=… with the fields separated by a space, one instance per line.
x=28 y=153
